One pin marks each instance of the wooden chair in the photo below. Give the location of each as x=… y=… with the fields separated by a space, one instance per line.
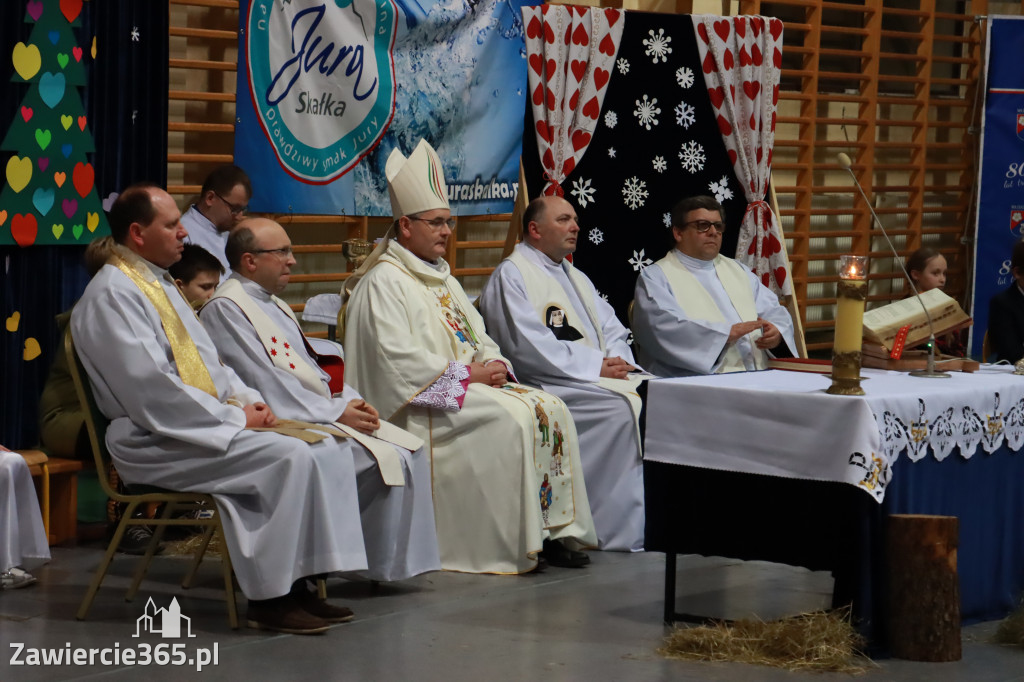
x=985 y=350
x=174 y=502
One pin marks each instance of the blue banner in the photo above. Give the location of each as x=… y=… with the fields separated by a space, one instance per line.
x=328 y=88
x=1001 y=172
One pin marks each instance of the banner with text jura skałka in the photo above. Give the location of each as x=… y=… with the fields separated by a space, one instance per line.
x=327 y=88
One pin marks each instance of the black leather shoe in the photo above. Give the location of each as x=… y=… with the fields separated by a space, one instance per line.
x=560 y=556
x=284 y=615
x=311 y=603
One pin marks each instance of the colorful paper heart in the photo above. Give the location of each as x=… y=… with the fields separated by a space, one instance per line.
x=70 y=9
x=32 y=349
x=51 y=88
x=69 y=206
x=54 y=36
x=66 y=121
x=65 y=149
x=83 y=177
x=24 y=229
x=59 y=177
x=81 y=122
x=43 y=138
x=77 y=230
x=26 y=113
x=42 y=199
x=35 y=9
x=19 y=172
x=57 y=230
x=77 y=51
x=26 y=60
x=3 y=217
x=12 y=321
x=92 y=221
x=43 y=163
x=63 y=59
x=92 y=48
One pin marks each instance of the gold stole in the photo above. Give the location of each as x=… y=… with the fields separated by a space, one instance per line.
x=191 y=368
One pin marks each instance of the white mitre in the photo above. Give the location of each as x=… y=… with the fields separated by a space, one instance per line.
x=416 y=184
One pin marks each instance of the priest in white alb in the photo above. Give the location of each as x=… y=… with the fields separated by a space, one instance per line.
x=258 y=337
x=507 y=478
x=563 y=337
x=181 y=420
x=23 y=542
x=697 y=312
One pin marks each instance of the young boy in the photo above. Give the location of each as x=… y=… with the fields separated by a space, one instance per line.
x=197 y=274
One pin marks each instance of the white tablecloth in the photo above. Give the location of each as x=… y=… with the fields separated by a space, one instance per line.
x=784 y=424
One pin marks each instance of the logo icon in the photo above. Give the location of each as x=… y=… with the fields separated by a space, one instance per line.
x=165 y=622
x=1016 y=221
x=322 y=79
x=1020 y=125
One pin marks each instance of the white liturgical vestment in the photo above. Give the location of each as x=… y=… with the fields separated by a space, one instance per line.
x=517 y=305
x=683 y=311
x=290 y=509
x=505 y=461
x=204 y=233
x=398 y=521
x=23 y=541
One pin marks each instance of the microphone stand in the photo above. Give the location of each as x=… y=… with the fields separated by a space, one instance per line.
x=930 y=371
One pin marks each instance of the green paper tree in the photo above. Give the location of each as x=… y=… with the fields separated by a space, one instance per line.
x=49 y=193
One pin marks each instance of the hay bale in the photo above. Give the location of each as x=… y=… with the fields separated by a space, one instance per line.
x=1011 y=630
x=819 y=642
x=190 y=545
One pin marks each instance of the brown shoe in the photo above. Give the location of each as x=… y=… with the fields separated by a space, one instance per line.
x=314 y=605
x=284 y=615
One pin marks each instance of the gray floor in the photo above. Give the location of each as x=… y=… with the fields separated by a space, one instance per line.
x=599 y=623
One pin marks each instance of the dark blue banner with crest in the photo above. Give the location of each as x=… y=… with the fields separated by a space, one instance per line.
x=1001 y=172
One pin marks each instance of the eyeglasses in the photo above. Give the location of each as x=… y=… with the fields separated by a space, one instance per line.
x=703 y=226
x=437 y=223
x=235 y=209
x=284 y=251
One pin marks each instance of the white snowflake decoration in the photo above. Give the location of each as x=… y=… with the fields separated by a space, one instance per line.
x=639 y=261
x=611 y=152
x=611 y=119
x=685 y=115
x=684 y=76
x=647 y=112
x=623 y=65
x=659 y=164
x=604 y=296
x=135 y=34
x=595 y=235
x=692 y=156
x=667 y=219
x=657 y=45
x=721 y=189
x=583 y=192
x=634 y=193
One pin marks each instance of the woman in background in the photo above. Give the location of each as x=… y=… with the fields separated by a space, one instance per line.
x=927 y=269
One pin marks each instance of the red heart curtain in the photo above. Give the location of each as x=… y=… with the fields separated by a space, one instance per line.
x=570 y=53
x=742 y=60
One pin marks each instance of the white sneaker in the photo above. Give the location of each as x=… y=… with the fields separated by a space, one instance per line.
x=15 y=578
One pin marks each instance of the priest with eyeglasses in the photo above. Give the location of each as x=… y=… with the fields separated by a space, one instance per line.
x=696 y=311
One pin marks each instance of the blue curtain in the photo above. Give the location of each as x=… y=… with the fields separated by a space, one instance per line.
x=126 y=103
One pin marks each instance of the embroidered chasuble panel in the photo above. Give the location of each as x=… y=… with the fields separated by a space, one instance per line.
x=552 y=465
x=464 y=339
x=656 y=141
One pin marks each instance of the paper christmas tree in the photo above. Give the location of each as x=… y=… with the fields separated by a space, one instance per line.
x=49 y=194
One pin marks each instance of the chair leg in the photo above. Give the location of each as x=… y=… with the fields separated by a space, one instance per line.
x=198 y=557
x=321 y=588
x=154 y=542
x=46 y=502
x=101 y=570
x=229 y=582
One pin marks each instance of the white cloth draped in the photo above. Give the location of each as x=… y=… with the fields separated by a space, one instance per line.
x=289 y=509
x=23 y=541
x=398 y=522
x=484 y=462
x=204 y=233
x=671 y=343
x=609 y=442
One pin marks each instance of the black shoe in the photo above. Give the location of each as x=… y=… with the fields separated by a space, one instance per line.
x=560 y=556
x=136 y=539
x=284 y=615
x=311 y=603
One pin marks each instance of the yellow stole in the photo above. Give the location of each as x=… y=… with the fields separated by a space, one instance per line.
x=191 y=368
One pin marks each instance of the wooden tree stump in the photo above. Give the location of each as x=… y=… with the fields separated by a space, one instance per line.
x=923 y=587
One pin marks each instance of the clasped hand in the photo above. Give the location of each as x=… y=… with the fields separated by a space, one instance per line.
x=493 y=373
x=615 y=368
x=770 y=335
x=360 y=416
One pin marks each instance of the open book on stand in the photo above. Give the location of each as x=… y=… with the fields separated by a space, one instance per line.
x=890 y=329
